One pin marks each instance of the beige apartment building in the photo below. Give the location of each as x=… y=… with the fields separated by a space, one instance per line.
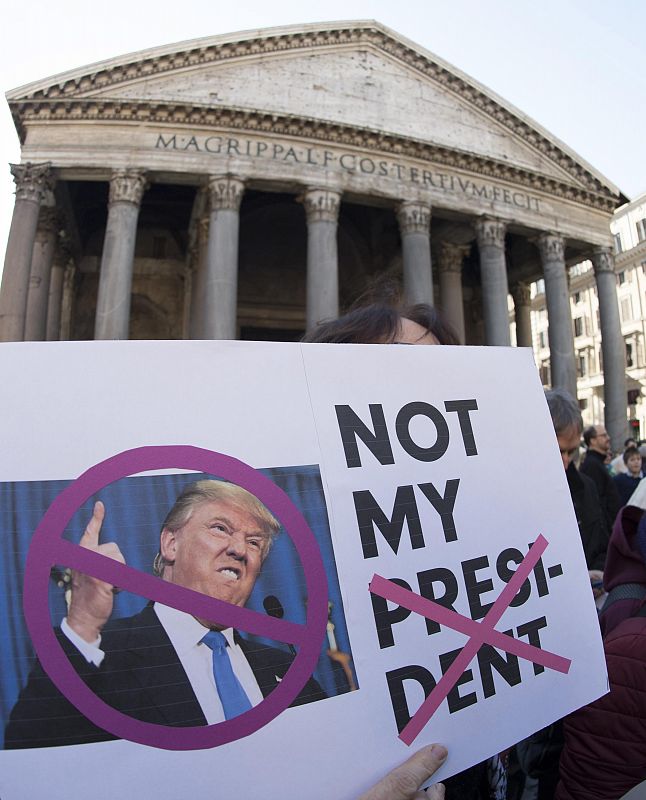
x=628 y=229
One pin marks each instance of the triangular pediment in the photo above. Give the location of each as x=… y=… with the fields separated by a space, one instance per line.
x=358 y=75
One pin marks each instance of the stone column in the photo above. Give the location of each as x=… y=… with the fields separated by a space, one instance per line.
x=523 y=314
x=41 y=266
x=490 y=233
x=115 y=280
x=450 y=277
x=67 y=303
x=217 y=293
x=414 y=225
x=187 y=277
x=612 y=347
x=322 y=213
x=199 y=261
x=32 y=181
x=62 y=257
x=557 y=299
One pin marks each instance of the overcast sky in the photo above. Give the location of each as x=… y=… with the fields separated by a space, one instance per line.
x=575 y=66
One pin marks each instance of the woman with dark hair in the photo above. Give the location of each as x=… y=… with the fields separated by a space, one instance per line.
x=383 y=323
x=388 y=323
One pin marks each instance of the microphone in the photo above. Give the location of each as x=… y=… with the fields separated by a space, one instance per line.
x=274 y=608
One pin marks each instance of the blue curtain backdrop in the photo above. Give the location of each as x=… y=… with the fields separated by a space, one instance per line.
x=135 y=509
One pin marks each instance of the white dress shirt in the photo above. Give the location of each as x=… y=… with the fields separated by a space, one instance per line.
x=185 y=634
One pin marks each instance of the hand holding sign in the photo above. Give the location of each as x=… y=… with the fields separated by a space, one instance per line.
x=92 y=599
x=403 y=782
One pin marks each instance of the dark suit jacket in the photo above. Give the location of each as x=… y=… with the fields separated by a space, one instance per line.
x=594 y=467
x=141 y=676
x=590 y=517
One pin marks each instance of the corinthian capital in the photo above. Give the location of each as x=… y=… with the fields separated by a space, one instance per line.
x=321 y=205
x=452 y=256
x=551 y=247
x=490 y=232
x=225 y=192
x=32 y=180
x=414 y=217
x=521 y=294
x=128 y=186
x=50 y=221
x=603 y=260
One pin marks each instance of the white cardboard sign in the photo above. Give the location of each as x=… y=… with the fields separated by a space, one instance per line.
x=461 y=609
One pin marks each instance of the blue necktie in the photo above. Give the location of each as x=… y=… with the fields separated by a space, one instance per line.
x=232 y=695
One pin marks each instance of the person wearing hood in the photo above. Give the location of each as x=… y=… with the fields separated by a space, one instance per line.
x=625 y=574
x=605 y=746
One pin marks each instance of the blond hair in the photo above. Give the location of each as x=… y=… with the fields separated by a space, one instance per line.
x=215 y=491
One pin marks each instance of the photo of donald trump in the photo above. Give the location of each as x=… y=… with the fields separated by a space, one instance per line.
x=163 y=665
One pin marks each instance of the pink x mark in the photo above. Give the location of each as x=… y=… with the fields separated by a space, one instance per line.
x=479 y=633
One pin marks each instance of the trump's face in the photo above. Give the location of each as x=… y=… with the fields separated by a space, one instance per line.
x=218 y=552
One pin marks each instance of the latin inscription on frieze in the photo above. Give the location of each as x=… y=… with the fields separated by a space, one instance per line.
x=347 y=162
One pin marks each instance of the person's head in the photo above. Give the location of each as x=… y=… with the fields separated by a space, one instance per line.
x=215 y=539
x=566 y=418
x=630 y=443
x=596 y=438
x=633 y=460
x=383 y=323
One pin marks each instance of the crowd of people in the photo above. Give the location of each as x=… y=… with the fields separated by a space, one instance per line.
x=600 y=750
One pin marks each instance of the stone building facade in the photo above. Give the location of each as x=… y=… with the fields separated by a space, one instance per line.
x=250 y=185
x=628 y=229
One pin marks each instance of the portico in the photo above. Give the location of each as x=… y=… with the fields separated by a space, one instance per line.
x=169 y=195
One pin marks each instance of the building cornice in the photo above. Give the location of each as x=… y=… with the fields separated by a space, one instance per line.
x=258 y=122
x=624 y=210
x=635 y=254
x=332 y=36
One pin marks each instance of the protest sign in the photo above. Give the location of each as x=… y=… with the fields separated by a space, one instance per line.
x=428 y=583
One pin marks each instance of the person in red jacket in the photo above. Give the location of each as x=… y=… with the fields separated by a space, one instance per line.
x=605 y=742
x=625 y=574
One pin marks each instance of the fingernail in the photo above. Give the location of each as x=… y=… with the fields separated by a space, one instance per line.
x=439 y=751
